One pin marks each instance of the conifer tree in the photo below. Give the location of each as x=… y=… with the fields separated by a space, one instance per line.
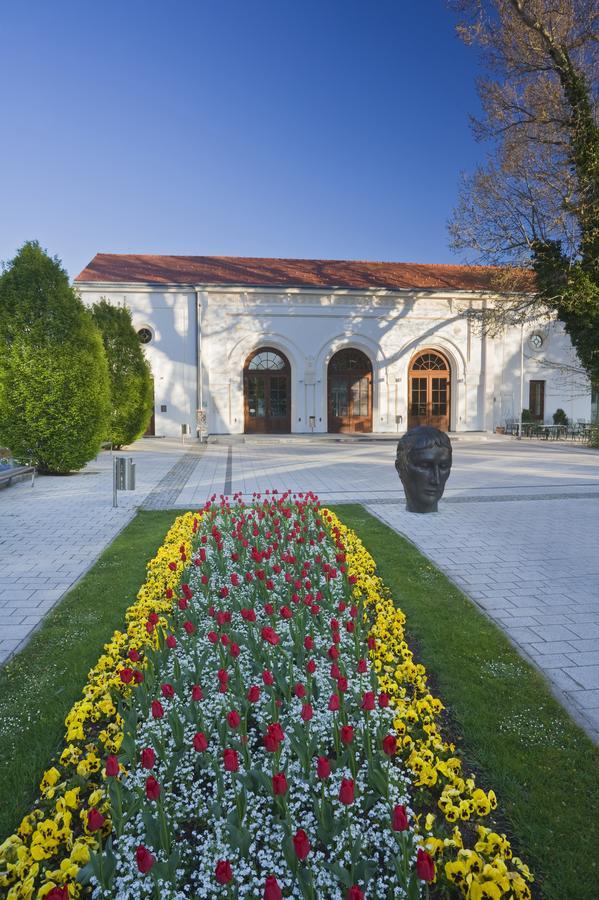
x=131 y=392
x=53 y=370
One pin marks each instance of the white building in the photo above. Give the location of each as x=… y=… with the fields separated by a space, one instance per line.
x=284 y=345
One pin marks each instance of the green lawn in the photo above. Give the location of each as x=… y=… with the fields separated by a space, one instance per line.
x=543 y=768
x=40 y=684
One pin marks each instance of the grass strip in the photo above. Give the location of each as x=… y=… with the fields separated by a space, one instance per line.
x=39 y=685
x=513 y=732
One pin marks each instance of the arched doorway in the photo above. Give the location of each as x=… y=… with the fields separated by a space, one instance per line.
x=267 y=392
x=350 y=392
x=429 y=390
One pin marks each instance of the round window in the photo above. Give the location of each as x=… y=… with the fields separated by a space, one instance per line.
x=145 y=335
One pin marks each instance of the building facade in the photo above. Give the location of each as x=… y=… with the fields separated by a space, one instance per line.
x=240 y=345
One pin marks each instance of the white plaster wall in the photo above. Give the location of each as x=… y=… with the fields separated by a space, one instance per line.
x=555 y=363
x=172 y=353
x=309 y=327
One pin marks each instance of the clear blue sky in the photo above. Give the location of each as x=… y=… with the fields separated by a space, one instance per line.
x=313 y=128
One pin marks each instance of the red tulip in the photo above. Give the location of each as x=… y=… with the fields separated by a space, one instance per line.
x=171 y=641
x=267 y=677
x=383 y=700
x=148 y=758
x=299 y=690
x=272 y=891
x=347 y=791
x=301 y=844
x=168 y=691
x=425 y=866
x=354 y=893
x=346 y=734
x=323 y=767
x=58 y=893
x=368 y=700
x=223 y=872
x=334 y=703
x=253 y=694
x=200 y=742
x=189 y=627
x=95 y=820
x=362 y=666
x=157 y=709
x=234 y=719
x=311 y=667
x=145 y=860
x=270 y=636
x=126 y=675
x=279 y=784
x=112 y=766
x=196 y=692
x=231 y=760
x=390 y=745
x=307 y=712
x=308 y=642
x=400 y=819
x=152 y=788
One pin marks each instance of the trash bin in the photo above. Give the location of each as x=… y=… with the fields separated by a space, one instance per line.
x=125 y=473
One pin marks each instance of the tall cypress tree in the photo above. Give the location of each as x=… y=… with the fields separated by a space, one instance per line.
x=131 y=392
x=53 y=370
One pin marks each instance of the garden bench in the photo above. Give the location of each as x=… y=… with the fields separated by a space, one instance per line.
x=17 y=472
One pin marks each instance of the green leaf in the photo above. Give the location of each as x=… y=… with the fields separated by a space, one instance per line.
x=304 y=876
x=152 y=827
x=343 y=875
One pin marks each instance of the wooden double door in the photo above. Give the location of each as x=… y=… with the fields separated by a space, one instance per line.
x=350 y=392
x=267 y=393
x=429 y=391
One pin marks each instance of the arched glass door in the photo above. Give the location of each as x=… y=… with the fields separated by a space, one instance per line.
x=350 y=392
x=267 y=393
x=429 y=387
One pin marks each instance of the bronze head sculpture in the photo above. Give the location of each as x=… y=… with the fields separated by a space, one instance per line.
x=423 y=463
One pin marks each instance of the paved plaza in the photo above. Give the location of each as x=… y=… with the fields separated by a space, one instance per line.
x=517 y=530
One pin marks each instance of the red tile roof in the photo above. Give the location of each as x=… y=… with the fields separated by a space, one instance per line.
x=311 y=273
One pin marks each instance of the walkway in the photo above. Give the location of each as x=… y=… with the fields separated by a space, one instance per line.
x=517 y=530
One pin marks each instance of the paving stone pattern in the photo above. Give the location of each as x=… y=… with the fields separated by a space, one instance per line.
x=166 y=492
x=51 y=534
x=533 y=567
x=530 y=563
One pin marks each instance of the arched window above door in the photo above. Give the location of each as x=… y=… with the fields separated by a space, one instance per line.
x=429 y=362
x=267 y=360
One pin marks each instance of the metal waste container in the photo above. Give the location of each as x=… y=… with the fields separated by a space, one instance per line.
x=125 y=473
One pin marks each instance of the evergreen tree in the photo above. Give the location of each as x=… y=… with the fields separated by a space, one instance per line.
x=131 y=392
x=53 y=370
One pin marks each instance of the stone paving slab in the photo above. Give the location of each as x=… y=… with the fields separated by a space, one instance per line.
x=566 y=651
x=51 y=534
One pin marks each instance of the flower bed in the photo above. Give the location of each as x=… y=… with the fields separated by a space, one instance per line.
x=260 y=730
